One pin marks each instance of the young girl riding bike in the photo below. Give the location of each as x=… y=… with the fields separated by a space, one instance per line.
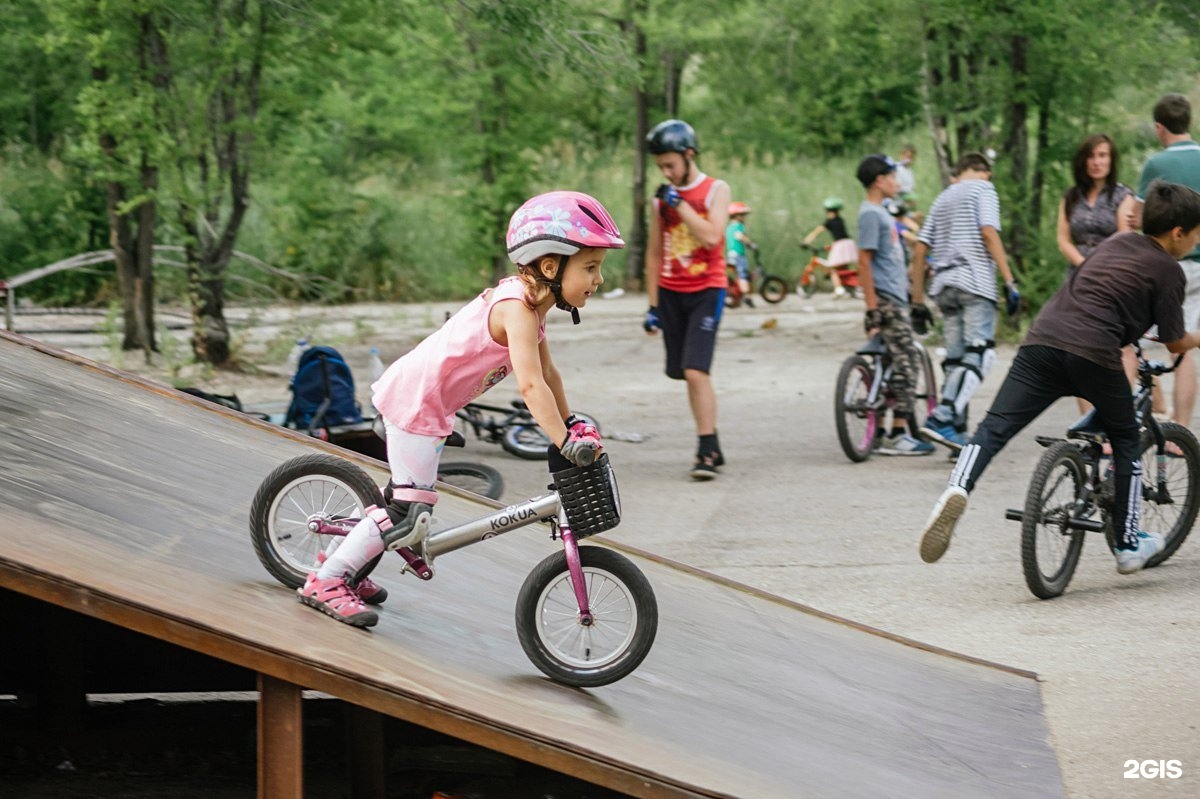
x=558 y=241
x=843 y=254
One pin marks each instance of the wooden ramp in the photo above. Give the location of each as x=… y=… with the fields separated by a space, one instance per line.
x=128 y=502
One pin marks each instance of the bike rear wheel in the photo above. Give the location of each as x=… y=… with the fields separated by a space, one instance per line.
x=309 y=487
x=1173 y=519
x=773 y=289
x=857 y=423
x=1049 y=548
x=474 y=477
x=624 y=610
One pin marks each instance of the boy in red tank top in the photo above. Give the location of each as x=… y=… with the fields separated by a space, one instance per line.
x=685 y=276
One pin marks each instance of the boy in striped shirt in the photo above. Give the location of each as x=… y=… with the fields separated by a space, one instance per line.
x=961 y=242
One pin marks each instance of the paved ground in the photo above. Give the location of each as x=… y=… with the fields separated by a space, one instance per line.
x=790 y=514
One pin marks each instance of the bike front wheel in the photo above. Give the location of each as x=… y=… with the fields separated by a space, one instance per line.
x=624 y=611
x=1173 y=513
x=773 y=289
x=925 y=392
x=303 y=489
x=857 y=422
x=477 y=478
x=1049 y=547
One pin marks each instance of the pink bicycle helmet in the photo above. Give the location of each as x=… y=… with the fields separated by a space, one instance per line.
x=560 y=223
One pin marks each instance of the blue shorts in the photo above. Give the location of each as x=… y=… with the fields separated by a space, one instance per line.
x=689 y=327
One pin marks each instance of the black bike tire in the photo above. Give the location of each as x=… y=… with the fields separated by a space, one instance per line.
x=637 y=590
x=1187 y=443
x=512 y=444
x=853 y=451
x=351 y=477
x=773 y=289
x=1043 y=587
x=490 y=479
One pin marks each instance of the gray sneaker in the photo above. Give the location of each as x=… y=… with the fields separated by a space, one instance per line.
x=935 y=540
x=1134 y=560
x=905 y=444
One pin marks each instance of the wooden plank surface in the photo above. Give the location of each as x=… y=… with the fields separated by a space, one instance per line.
x=129 y=503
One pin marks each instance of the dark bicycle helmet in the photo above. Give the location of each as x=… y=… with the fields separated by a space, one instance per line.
x=672 y=136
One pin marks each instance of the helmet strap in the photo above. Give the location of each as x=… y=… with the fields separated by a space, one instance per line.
x=555 y=284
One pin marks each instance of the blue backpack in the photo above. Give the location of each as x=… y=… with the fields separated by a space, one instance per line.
x=322 y=391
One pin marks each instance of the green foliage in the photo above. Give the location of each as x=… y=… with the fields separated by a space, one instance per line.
x=394 y=139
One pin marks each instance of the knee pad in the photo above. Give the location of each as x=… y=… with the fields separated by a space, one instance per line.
x=982 y=353
x=399 y=516
x=950 y=364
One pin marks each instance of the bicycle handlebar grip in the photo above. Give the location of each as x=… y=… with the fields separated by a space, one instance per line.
x=587 y=457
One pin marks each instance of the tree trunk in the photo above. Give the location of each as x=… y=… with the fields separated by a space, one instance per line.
x=930 y=79
x=206 y=290
x=1038 y=187
x=1017 y=148
x=635 y=240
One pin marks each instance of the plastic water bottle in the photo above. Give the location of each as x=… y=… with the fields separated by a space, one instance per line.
x=293 y=359
x=377 y=367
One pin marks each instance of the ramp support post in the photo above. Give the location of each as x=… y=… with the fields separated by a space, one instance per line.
x=280 y=740
x=365 y=753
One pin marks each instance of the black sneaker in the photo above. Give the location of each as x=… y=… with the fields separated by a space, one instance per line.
x=705 y=467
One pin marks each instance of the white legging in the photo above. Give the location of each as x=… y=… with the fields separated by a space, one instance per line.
x=414 y=461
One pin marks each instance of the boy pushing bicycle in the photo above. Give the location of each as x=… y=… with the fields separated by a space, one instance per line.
x=1130 y=283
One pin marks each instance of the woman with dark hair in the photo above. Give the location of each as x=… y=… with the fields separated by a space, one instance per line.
x=1097 y=206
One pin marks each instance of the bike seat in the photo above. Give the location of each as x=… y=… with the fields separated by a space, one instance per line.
x=874 y=346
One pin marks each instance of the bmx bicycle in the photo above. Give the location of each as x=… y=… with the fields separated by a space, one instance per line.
x=863 y=399
x=1071 y=491
x=771 y=288
x=513 y=428
x=585 y=616
x=810 y=278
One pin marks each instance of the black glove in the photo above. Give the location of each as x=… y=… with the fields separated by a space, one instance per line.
x=872 y=320
x=668 y=194
x=921 y=317
x=1012 y=299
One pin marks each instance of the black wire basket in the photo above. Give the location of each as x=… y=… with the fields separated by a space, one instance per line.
x=589 y=496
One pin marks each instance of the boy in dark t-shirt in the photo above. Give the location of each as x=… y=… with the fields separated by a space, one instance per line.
x=1129 y=283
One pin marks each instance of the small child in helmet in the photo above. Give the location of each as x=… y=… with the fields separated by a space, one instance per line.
x=736 y=244
x=558 y=242
x=843 y=253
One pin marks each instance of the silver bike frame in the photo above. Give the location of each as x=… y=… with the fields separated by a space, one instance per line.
x=513 y=517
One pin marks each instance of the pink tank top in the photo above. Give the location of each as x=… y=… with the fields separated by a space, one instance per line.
x=422 y=390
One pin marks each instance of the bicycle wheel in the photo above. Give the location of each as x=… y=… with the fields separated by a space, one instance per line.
x=525 y=441
x=477 y=478
x=857 y=424
x=624 y=610
x=1174 y=519
x=925 y=392
x=1050 y=549
x=297 y=491
x=773 y=288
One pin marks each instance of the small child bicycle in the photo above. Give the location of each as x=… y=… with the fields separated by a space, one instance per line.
x=1071 y=491
x=585 y=616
